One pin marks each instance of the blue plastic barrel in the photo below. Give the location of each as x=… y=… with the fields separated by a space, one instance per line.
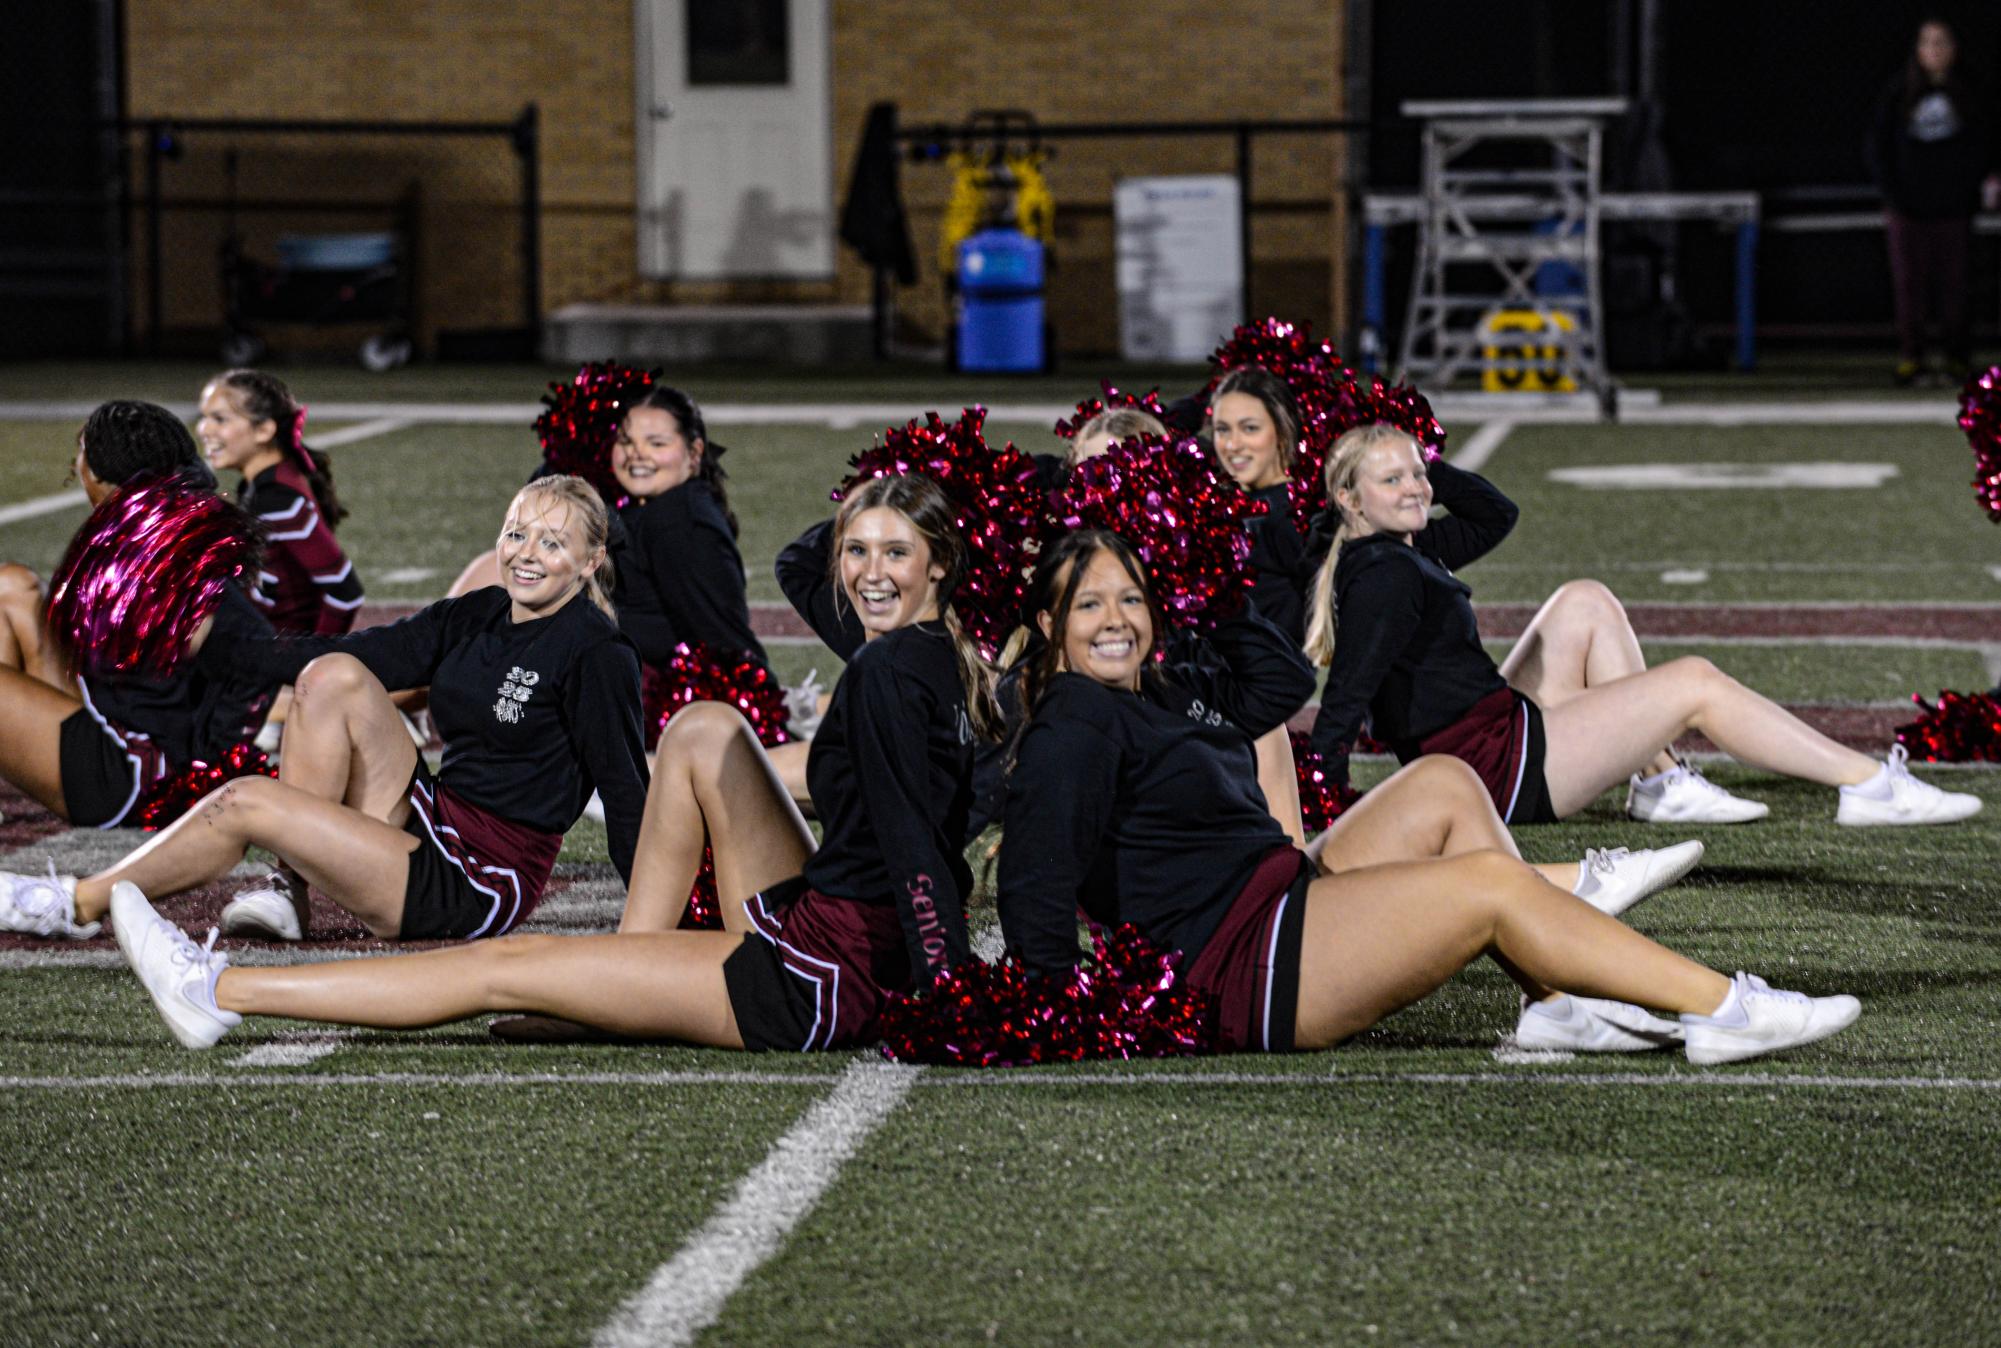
x=1000 y=289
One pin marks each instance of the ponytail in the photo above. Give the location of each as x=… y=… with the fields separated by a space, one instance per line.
x=976 y=676
x=264 y=397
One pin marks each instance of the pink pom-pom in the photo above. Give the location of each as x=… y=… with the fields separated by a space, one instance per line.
x=1980 y=418
x=144 y=572
x=1958 y=728
x=1183 y=516
x=580 y=420
x=1321 y=799
x=695 y=674
x=1148 y=402
x=996 y=505
x=171 y=797
x=1126 y=1001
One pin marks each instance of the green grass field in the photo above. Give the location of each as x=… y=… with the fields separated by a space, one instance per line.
x=1414 y=1186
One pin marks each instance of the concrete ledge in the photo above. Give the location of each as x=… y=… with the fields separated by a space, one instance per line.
x=779 y=334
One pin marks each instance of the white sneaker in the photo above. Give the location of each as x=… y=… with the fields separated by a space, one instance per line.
x=270 y=737
x=1685 y=796
x=267 y=913
x=42 y=905
x=802 y=706
x=1614 y=879
x=1757 y=1018
x=1593 y=1025
x=594 y=807
x=1903 y=799
x=179 y=975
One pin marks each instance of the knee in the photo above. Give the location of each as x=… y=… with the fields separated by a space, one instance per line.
x=1449 y=778
x=331 y=678
x=701 y=731
x=503 y=960
x=17 y=581
x=1588 y=602
x=237 y=802
x=1486 y=879
x=1700 y=673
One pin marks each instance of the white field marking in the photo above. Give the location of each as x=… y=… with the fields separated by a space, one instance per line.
x=1994 y=571
x=1721 y=476
x=1480 y=445
x=1510 y=1054
x=366 y=430
x=687 y=1294
x=1990 y=655
x=1689 y=576
x=296 y=1048
x=1448 y=406
x=405 y=575
x=42 y=505
x=1110 y=1075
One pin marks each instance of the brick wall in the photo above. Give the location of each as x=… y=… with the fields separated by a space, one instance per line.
x=1137 y=60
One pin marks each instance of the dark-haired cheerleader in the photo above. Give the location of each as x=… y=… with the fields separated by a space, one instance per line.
x=89 y=748
x=1133 y=797
x=251 y=424
x=537 y=696
x=831 y=933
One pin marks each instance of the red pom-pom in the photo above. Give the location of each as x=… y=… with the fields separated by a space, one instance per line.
x=580 y=419
x=1321 y=799
x=694 y=674
x=171 y=797
x=1958 y=728
x=1183 y=516
x=1148 y=402
x=1126 y=1001
x=995 y=503
x=1980 y=418
x=144 y=572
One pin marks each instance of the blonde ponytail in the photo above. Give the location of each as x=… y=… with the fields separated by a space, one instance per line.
x=1344 y=466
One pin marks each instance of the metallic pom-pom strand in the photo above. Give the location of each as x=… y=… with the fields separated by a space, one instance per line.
x=1958 y=728
x=1980 y=418
x=579 y=421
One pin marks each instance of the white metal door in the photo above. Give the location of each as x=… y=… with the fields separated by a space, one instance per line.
x=735 y=139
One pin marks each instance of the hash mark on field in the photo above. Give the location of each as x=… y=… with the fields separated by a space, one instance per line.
x=367 y=430
x=1480 y=445
x=295 y=1049
x=1684 y=576
x=405 y=575
x=42 y=505
x=687 y=1294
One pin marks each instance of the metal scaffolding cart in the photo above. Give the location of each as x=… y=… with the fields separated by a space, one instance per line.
x=1509 y=230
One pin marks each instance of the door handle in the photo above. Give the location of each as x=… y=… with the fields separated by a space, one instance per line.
x=660 y=112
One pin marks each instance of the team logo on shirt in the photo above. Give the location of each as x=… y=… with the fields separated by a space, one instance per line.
x=518 y=688
x=1206 y=715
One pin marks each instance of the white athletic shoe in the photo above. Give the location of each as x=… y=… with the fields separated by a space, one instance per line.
x=1893 y=796
x=594 y=807
x=266 y=913
x=42 y=905
x=178 y=974
x=802 y=706
x=270 y=738
x=1685 y=796
x=1592 y=1025
x=1757 y=1018
x=1614 y=879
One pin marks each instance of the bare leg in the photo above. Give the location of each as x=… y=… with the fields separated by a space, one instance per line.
x=1278 y=778
x=1579 y=639
x=1434 y=807
x=344 y=741
x=1602 y=735
x=713 y=781
x=481 y=572
x=24 y=643
x=789 y=761
x=660 y=985
x=358 y=861
x=31 y=718
x=1380 y=939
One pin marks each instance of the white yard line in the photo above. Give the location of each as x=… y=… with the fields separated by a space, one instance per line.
x=1448 y=406
x=1480 y=445
x=42 y=505
x=367 y=430
x=296 y=1049
x=687 y=1294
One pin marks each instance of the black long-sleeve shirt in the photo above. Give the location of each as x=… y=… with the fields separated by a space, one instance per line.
x=1280 y=572
x=891 y=775
x=680 y=576
x=1144 y=807
x=204 y=708
x=1929 y=156
x=307 y=583
x=534 y=715
x=805 y=574
x=1407 y=650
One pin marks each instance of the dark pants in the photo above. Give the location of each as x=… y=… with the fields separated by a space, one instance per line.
x=1928 y=276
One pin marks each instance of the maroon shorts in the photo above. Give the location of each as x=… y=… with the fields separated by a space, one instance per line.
x=1251 y=964
x=815 y=971
x=1501 y=739
x=473 y=873
x=105 y=767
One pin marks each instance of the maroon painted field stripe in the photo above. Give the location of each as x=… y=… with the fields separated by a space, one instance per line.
x=1871 y=729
